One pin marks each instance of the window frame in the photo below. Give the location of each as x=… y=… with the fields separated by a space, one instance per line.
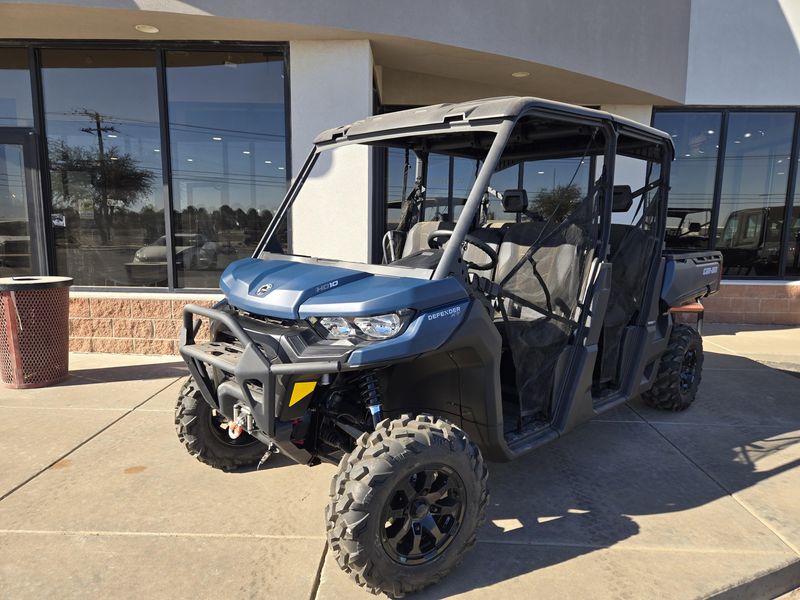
x=160 y=48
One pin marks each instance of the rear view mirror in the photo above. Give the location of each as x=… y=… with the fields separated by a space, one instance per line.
x=623 y=200
x=694 y=227
x=515 y=201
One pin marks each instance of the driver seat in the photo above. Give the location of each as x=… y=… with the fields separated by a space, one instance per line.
x=417 y=238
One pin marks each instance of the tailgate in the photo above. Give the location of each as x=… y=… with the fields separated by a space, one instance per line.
x=689 y=276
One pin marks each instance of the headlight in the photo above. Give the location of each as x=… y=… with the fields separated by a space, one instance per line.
x=379 y=327
x=338 y=327
x=139 y=256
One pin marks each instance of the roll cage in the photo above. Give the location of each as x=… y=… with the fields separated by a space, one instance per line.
x=494 y=122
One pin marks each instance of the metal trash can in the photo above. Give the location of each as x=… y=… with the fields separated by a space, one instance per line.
x=34 y=331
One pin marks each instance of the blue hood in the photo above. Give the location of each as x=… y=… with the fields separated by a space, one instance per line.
x=294 y=290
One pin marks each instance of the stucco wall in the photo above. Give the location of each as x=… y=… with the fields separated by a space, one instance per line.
x=639 y=44
x=331 y=84
x=744 y=52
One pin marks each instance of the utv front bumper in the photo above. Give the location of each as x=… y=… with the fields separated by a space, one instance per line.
x=243 y=371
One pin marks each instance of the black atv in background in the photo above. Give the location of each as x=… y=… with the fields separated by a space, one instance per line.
x=490 y=326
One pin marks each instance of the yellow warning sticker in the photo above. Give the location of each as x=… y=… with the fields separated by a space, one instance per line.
x=300 y=390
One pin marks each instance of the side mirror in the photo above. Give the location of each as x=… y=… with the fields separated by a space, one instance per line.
x=515 y=201
x=623 y=200
x=695 y=227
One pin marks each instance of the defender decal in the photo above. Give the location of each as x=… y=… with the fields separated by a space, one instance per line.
x=453 y=311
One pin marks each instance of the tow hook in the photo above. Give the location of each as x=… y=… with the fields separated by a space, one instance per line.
x=235 y=428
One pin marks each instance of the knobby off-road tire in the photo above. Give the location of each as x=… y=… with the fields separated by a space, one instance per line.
x=199 y=431
x=679 y=373
x=422 y=467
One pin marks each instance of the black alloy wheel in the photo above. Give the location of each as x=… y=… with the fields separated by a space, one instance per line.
x=423 y=515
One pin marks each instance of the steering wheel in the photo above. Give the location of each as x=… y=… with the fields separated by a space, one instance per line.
x=438 y=238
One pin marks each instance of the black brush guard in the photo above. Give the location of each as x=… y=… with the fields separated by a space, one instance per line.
x=248 y=367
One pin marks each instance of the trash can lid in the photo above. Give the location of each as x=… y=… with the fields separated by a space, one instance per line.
x=32 y=282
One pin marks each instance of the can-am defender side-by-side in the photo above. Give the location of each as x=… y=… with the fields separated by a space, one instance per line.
x=493 y=322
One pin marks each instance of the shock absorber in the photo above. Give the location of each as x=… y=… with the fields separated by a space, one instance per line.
x=371 y=395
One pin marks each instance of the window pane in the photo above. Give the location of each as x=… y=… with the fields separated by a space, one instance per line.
x=436 y=207
x=101 y=112
x=464 y=172
x=15 y=241
x=16 y=108
x=793 y=241
x=227 y=131
x=691 y=196
x=555 y=186
x=505 y=179
x=754 y=183
x=396 y=173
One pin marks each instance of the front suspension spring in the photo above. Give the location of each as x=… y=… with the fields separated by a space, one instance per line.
x=371 y=395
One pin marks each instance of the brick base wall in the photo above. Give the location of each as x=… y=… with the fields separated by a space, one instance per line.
x=775 y=303
x=150 y=323
x=128 y=323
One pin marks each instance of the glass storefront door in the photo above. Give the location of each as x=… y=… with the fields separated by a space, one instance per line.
x=19 y=235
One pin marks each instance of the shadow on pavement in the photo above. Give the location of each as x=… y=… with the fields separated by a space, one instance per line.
x=124 y=373
x=583 y=492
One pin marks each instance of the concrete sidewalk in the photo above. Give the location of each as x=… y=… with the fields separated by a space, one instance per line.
x=100 y=500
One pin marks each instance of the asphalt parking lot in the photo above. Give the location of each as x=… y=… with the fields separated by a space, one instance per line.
x=100 y=500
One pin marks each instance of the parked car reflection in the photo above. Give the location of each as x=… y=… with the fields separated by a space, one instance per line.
x=192 y=251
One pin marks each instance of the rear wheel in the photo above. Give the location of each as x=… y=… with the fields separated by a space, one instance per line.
x=204 y=433
x=406 y=504
x=679 y=372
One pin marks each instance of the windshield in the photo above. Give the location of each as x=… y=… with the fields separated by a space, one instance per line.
x=333 y=213
x=395 y=201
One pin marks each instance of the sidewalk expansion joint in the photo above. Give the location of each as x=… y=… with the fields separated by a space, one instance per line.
x=89 y=439
x=163 y=534
x=318 y=577
x=636 y=548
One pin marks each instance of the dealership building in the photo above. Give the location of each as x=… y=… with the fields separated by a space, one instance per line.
x=145 y=144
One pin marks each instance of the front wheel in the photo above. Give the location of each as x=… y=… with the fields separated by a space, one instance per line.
x=204 y=433
x=406 y=504
x=679 y=372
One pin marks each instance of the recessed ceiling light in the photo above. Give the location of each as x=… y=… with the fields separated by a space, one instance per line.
x=687 y=155
x=747 y=134
x=280 y=168
x=111 y=135
x=189 y=160
x=156 y=150
x=146 y=28
x=267 y=162
x=780 y=173
x=245 y=151
x=115 y=158
x=540 y=172
x=216 y=138
x=520 y=74
x=710 y=132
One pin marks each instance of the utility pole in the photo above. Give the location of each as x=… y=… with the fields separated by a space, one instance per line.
x=99 y=129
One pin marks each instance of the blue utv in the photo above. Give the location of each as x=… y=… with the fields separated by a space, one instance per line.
x=523 y=297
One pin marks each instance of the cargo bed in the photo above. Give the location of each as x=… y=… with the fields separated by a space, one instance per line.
x=690 y=275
